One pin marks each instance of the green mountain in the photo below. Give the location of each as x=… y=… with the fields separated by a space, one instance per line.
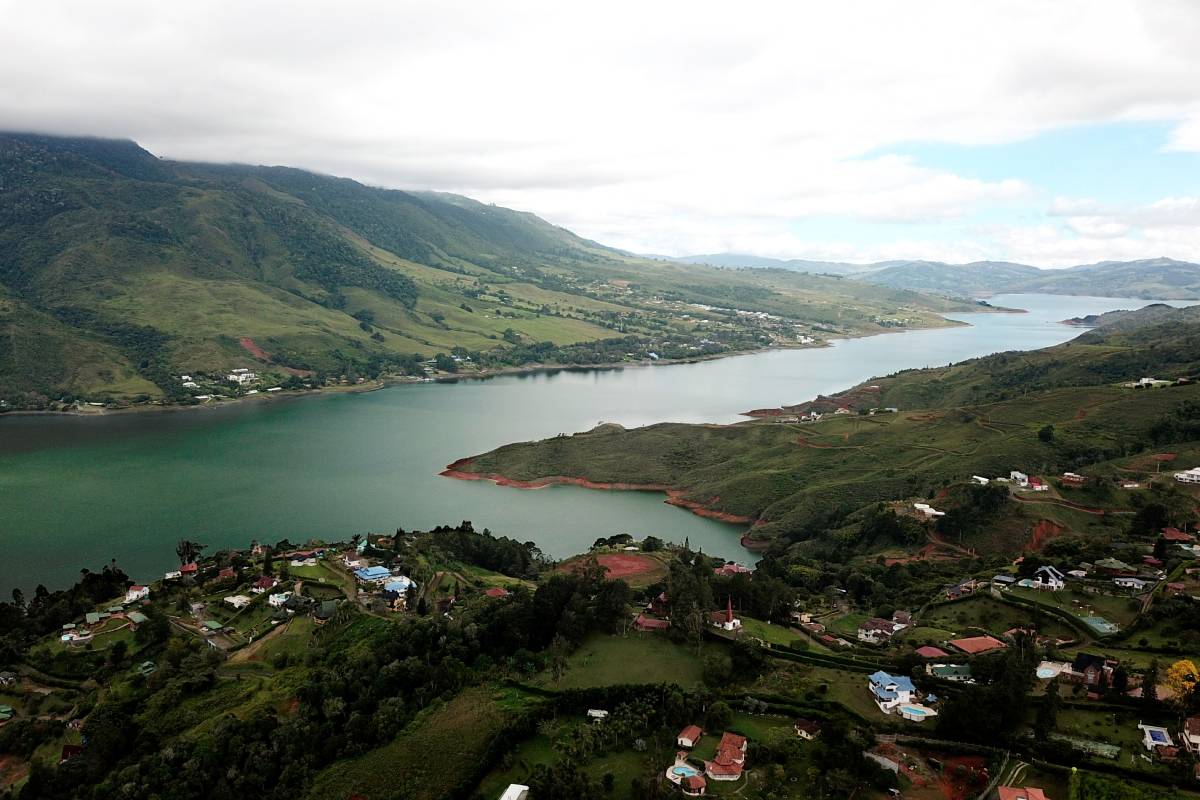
x=986 y=416
x=119 y=271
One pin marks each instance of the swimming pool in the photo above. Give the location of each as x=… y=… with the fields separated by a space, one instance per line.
x=916 y=713
x=1046 y=673
x=684 y=771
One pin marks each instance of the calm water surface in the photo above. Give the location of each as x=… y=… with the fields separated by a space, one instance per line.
x=76 y=492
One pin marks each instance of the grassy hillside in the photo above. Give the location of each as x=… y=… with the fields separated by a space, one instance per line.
x=119 y=271
x=986 y=417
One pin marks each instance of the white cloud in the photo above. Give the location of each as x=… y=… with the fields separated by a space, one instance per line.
x=660 y=126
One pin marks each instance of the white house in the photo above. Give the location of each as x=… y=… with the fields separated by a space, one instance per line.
x=597 y=715
x=725 y=620
x=890 y=691
x=173 y=575
x=1189 y=476
x=515 y=791
x=1189 y=735
x=1019 y=478
x=238 y=601
x=135 y=593
x=1136 y=584
x=277 y=600
x=979 y=479
x=242 y=377
x=878 y=631
x=1048 y=577
x=689 y=737
x=928 y=510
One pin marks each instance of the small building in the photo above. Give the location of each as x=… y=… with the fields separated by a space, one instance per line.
x=959 y=673
x=1131 y=583
x=324 y=612
x=693 y=786
x=1154 y=737
x=1073 y=479
x=1189 y=734
x=173 y=575
x=135 y=593
x=1174 y=535
x=226 y=573
x=597 y=715
x=1093 y=670
x=689 y=737
x=495 y=592
x=980 y=480
x=8 y=678
x=731 y=569
x=136 y=618
x=645 y=623
x=929 y=651
x=1189 y=476
x=1019 y=478
x=1114 y=566
x=1003 y=581
x=189 y=570
x=515 y=791
x=877 y=631
x=974 y=645
x=238 y=601
x=902 y=618
x=264 y=584
x=278 y=600
x=725 y=620
x=374 y=574
x=1049 y=578
x=807 y=729
x=1038 y=485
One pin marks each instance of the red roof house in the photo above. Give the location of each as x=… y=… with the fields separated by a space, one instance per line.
x=973 y=645
x=729 y=570
x=929 y=651
x=1021 y=793
x=644 y=623
x=69 y=751
x=730 y=760
x=190 y=569
x=496 y=591
x=689 y=737
x=1175 y=535
x=227 y=572
x=693 y=785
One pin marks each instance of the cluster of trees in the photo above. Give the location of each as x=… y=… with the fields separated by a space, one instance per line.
x=26 y=619
x=994 y=708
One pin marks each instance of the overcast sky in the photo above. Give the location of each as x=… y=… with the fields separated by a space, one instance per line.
x=1048 y=133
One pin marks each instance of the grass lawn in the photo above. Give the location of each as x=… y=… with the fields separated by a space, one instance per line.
x=988 y=614
x=923 y=635
x=636 y=658
x=1120 y=610
x=846 y=624
x=775 y=634
x=427 y=761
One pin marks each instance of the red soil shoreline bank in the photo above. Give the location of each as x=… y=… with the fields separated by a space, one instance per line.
x=674 y=496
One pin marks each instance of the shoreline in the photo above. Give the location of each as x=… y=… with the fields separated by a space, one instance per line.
x=525 y=369
x=675 y=495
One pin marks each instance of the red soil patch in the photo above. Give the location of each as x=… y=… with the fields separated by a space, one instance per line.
x=674 y=496
x=12 y=769
x=262 y=355
x=621 y=565
x=293 y=707
x=923 y=417
x=1164 y=456
x=1042 y=533
x=974 y=771
x=1081 y=413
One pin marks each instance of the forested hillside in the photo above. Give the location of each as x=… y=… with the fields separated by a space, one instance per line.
x=120 y=271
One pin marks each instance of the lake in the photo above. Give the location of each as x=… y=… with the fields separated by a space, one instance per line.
x=75 y=492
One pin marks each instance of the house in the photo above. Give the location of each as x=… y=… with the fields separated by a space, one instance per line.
x=1172 y=534
x=173 y=575
x=1003 y=581
x=807 y=729
x=8 y=678
x=959 y=673
x=189 y=569
x=69 y=751
x=264 y=584
x=597 y=715
x=1189 y=734
x=515 y=791
x=693 y=786
x=929 y=651
x=1049 y=578
x=1151 y=561
x=238 y=601
x=645 y=623
x=1020 y=793
x=689 y=737
x=324 y=612
x=1038 y=485
x=1176 y=587
x=1019 y=478
x=374 y=574
x=136 y=618
x=1189 y=476
x=1127 y=582
x=725 y=620
x=660 y=606
x=398 y=585
x=731 y=569
x=877 y=631
x=1154 y=737
x=1093 y=670
x=494 y=591
x=136 y=593
x=974 y=645
x=890 y=691
x=1073 y=479
x=1113 y=566
x=980 y=480
x=928 y=510
x=353 y=562
x=278 y=600
x=730 y=759
x=962 y=589
x=242 y=377
x=902 y=618
x=227 y=572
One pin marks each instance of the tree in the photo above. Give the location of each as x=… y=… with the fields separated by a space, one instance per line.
x=1046 y=434
x=1181 y=677
x=1047 y=714
x=1120 y=680
x=188 y=551
x=1150 y=686
x=719 y=716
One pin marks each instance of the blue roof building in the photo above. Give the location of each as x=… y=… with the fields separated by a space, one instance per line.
x=372 y=574
x=399 y=584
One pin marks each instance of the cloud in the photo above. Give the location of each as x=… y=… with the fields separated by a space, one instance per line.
x=663 y=125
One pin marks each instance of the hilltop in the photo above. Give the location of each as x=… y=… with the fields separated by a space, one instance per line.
x=121 y=271
x=1151 y=279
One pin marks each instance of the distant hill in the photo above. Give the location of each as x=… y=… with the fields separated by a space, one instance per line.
x=1151 y=279
x=120 y=270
